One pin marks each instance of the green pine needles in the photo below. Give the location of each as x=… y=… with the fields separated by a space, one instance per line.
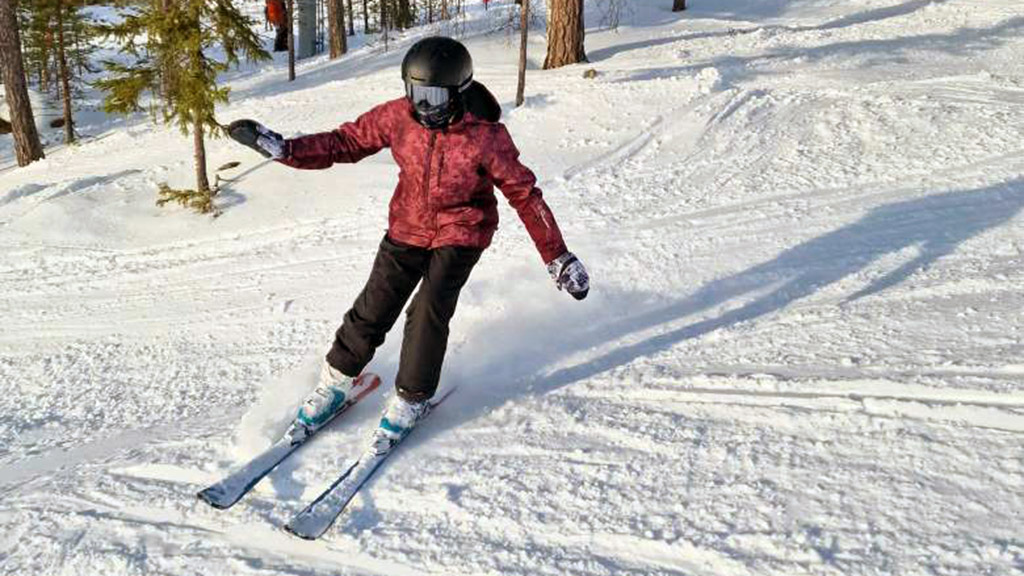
x=172 y=73
x=198 y=201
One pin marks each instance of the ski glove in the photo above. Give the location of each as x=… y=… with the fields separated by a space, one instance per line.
x=258 y=137
x=569 y=274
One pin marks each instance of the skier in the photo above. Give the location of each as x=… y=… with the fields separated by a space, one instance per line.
x=277 y=14
x=451 y=150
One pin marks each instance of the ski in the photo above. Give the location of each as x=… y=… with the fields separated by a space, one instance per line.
x=318 y=517
x=230 y=490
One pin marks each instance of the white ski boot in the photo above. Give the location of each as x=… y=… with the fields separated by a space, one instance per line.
x=331 y=392
x=400 y=416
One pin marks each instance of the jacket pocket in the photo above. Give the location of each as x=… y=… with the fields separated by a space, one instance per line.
x=457 y=180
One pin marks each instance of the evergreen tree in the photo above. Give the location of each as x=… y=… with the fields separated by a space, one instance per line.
x=58 y=42
x=35 y=21
x=404 y=14
x=27 y=147
x=38 y=21
x=524 y=30
x=65 y=73
x=291 y=40
x=336 y=39
x=170 y=42
x=565 y=33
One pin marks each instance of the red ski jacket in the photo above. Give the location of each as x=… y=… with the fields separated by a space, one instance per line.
x=276 y=13
x=445 y=193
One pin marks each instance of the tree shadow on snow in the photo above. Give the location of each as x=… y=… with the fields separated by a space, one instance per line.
x=735 y=9
x=865 y=17
x=64 y=188
x=964 y=42
x=227 y=198
x=933 y=225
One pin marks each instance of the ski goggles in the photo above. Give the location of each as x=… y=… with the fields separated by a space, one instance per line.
x=434 y=96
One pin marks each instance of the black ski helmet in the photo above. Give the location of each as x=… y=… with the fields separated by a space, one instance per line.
x=437 y=62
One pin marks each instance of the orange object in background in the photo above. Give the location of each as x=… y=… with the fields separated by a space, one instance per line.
x=276 y=13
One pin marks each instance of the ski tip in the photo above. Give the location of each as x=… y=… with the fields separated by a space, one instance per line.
x=210 y=498
x=308 y=537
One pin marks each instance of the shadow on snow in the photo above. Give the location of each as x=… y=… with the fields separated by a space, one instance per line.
x=933 y=225
x=963 y=41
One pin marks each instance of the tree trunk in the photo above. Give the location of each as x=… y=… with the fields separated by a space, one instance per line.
x=45 y=76
x=27 y=147
x=524 y=27
x=290 y=17
x=198 y=117
x=76 y=40
x=565 y=33
x=403 y=18
x=199 y=145
x=430 y=11
x=366 y=18
x=65 y=80
x=678 y=5
x=444 y=9
x=336 y=28
x=351 y=20
x=384 y=22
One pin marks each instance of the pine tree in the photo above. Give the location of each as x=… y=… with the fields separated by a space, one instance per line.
x=35 y=20
x=170 y=42
x=58 y=43
x=524 y=29
x=65 y=75
x=337 y=41
x=404 y=14
x=27 y=147
x=291 y=40
x=565 y=33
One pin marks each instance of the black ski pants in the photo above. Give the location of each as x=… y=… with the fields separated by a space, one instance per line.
x=281 y=38
x=397 y=269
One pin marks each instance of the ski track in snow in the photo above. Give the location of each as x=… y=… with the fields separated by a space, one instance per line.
x=801 y=355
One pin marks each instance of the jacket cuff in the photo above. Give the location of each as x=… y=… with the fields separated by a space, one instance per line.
x=550 y=253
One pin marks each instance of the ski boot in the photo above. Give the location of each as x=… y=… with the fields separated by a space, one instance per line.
x=329 y=396
x=399 y=418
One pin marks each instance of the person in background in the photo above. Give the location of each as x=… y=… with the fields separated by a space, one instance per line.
x=277 y=14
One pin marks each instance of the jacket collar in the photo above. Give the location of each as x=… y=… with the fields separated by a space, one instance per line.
x=460 y=125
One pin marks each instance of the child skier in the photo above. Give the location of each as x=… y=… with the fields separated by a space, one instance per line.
x=451 y=150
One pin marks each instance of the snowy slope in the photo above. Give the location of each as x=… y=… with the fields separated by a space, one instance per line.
x=801 y=355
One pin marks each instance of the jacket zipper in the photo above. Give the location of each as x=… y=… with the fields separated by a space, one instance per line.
x=440 y=167
x=426 y=177
x=426 y=170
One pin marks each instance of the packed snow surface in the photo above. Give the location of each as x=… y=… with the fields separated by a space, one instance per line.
x=802 y=352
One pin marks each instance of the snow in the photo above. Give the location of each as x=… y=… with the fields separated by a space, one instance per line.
x=801 y=353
